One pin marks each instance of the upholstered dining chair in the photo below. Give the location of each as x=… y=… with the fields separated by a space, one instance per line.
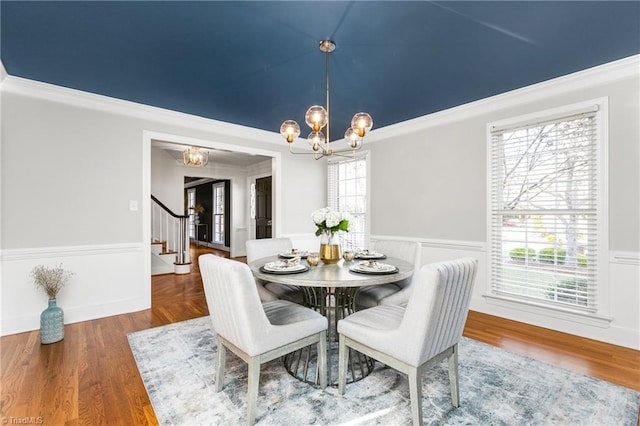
x=393 y=293
x=256 y=332
x=410 y=339
x=257 y=249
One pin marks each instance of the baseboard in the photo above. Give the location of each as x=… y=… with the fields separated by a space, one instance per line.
x=31 y=322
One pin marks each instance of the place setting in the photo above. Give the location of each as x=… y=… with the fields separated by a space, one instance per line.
x=365 y=254
x=284 y=266
x=293 y=253
x=373 y=267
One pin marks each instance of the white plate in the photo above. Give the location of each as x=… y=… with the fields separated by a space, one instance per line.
x=280 y=266
x=377 y=268
x=370 y=255
x=288 y=254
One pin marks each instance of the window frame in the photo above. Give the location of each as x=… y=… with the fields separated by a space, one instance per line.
x=191 y=203
x=601 y=314
x=333 y=203
x=217 y=233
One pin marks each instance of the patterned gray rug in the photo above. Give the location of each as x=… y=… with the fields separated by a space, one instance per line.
x=177 y=362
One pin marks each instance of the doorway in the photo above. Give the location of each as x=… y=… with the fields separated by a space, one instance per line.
x=264 y=221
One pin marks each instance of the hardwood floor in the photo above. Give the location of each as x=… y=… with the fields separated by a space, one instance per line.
x=90 y=378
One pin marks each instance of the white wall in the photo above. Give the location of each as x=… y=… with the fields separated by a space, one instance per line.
x=167 y=180
x=428 y=180
x=70 y=203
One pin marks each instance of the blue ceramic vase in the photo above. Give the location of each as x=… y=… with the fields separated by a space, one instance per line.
x=51 y=324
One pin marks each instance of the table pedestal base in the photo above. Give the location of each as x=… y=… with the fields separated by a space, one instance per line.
x=335 y=304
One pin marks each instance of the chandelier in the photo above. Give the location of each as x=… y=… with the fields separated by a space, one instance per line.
x=194 y=157
x=317 y=118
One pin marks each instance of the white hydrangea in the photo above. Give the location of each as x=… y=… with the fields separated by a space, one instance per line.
x=326 y=218
x=333 y=219
x=320 y=215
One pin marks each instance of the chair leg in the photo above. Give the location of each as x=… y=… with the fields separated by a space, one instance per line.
x=252 y=390
x=222 y=356
x=322 y=359
x=453 y=377
x=415 y=392
x=342 y=364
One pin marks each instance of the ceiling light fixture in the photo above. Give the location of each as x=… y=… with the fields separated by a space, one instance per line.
x=317 y=117
x=194 y=157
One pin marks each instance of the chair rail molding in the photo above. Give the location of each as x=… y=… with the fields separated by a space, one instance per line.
x=67 y=251
x=624 y=257
x=479 y=246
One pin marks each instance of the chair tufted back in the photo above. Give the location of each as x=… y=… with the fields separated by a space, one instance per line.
x=234 y=306
x=437 y=310
x=238 y=315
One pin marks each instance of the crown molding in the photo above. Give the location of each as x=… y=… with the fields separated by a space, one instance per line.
x=81 y=99
x=3 y=73
x=613 y=71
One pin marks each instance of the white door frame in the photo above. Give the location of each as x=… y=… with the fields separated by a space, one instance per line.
x=148 y=136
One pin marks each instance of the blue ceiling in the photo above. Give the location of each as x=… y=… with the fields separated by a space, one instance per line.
x=257 y=63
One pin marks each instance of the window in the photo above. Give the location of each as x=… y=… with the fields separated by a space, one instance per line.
x=218 y=213
x=191 y=203
x=547 y=207
x=252 y=200
x=347 y=192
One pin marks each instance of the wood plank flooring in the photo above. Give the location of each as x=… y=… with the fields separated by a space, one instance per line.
x=90 y=378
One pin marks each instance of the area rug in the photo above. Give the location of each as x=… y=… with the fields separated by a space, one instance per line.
x=177 y=363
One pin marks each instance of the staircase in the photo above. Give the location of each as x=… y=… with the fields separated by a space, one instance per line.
x=169 y=241
x=162 y=260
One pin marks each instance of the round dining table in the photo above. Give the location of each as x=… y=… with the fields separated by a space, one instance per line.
x=332 y=290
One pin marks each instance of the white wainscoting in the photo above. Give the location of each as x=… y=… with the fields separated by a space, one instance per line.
x=622 y=326
x=239 y=248
x=108 y=280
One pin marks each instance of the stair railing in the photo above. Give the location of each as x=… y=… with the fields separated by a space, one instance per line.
x=171 y=228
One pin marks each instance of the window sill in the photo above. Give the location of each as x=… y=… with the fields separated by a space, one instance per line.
x=549 y=311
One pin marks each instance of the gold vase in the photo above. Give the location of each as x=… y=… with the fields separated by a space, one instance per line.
x=330 y=252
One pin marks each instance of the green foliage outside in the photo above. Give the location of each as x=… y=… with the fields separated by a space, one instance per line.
x=552 y=255
x=582 y=260
x=520 y=253
x=572 y=290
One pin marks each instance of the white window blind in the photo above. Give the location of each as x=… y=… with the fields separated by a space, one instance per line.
x=347 y=192
x=218 y=213
x=545 y=190
x=191 y=203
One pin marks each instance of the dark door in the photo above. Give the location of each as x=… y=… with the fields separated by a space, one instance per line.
x=263 y=207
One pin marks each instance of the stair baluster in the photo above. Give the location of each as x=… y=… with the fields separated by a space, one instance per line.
x=173 y=230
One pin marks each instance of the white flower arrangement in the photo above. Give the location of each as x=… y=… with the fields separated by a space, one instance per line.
x=328 y=219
